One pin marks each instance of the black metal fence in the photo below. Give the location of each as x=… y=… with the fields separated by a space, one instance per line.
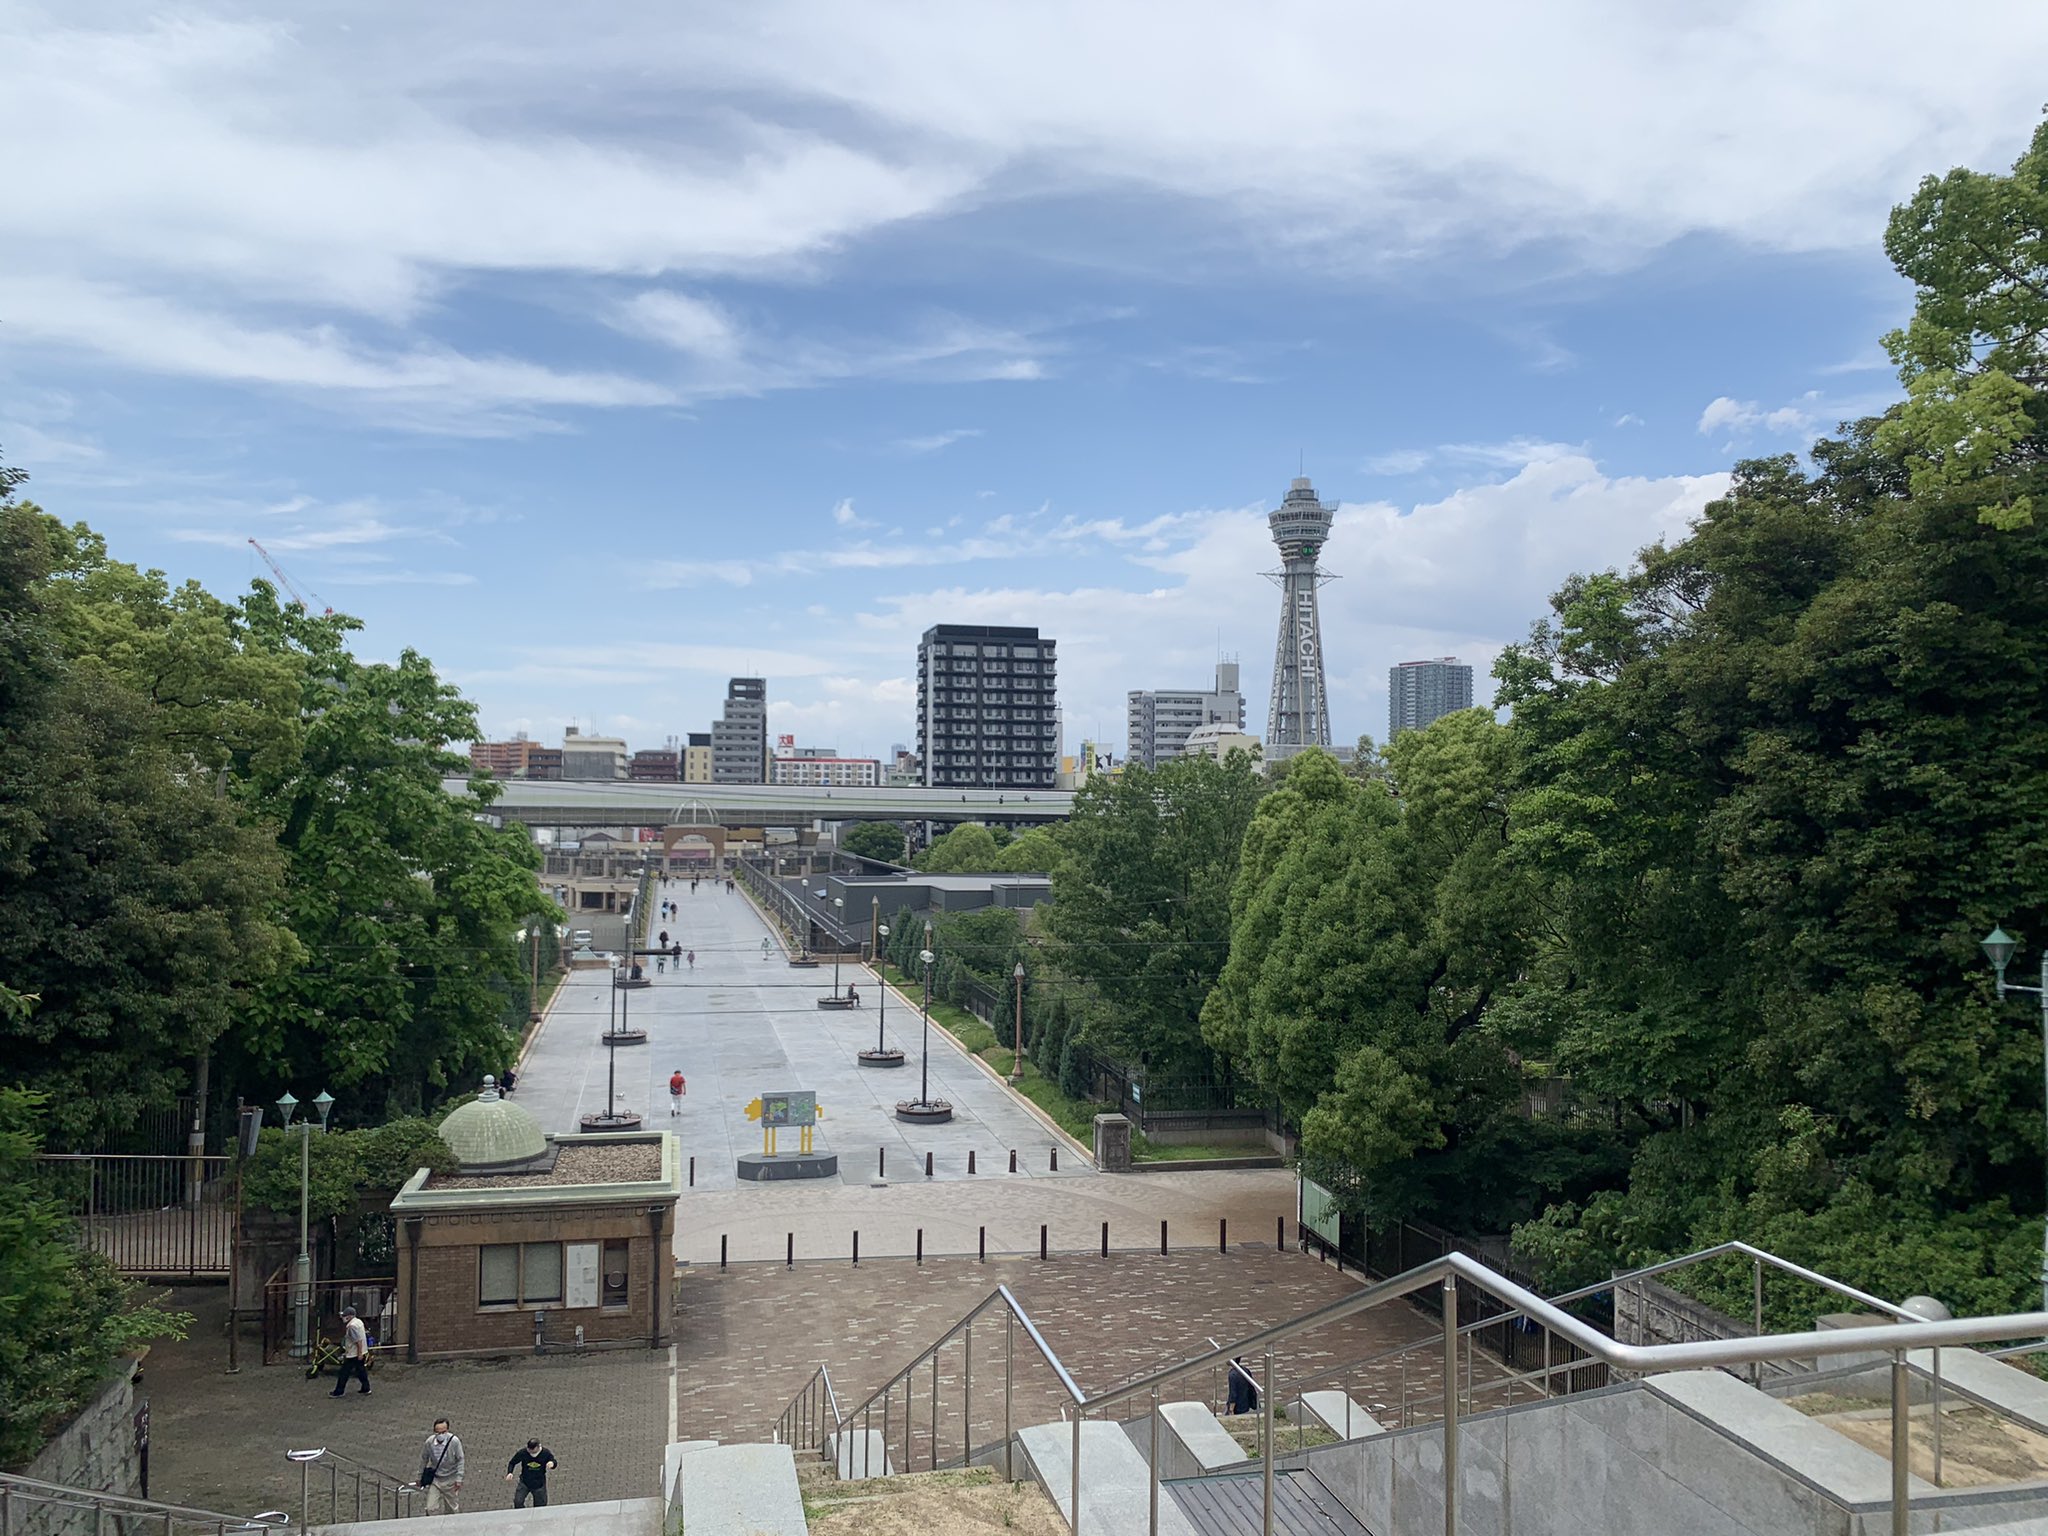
x=151 y=1215
x=1188 y=1104
x=375 y=1300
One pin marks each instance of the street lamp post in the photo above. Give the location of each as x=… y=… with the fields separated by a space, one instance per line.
x=302 y=1266
x=614 y=1118
x=924 y=1109
x=883 y=1054
x=1999 y=947
x=1017 y=1030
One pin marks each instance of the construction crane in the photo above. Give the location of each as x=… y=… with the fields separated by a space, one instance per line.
x=278 y=571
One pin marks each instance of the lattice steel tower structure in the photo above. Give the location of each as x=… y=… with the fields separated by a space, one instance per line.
x=1300 y=712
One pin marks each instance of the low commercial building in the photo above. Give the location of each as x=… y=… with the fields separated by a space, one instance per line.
x=1218 y=741
x=516 y=759
x=656 y=765
x=555 y=1242
x=697 y=758
x=820 y=767
x=592 y=757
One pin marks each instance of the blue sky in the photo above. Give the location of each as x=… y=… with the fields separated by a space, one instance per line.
x=600 y=355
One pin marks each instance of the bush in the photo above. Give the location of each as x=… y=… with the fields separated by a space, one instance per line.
x=65 y=1314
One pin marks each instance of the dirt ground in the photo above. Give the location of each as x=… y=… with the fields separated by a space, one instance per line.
x=929 y=1504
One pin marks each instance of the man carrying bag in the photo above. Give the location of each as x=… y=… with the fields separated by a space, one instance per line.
x=441 y=1470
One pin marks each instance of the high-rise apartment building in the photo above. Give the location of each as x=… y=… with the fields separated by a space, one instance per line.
x=986 y=717
x=1421 y=691
x=592 y=757
x=697 y=758
x=739 y=738
x=500 y=759
x=1160 y=720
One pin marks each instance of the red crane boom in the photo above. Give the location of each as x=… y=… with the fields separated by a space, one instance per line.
x=278 y=571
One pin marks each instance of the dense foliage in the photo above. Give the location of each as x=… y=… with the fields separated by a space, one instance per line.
x=64 y=1312
x=882 y=840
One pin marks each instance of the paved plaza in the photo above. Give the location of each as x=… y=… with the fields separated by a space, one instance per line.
x=739 y=1025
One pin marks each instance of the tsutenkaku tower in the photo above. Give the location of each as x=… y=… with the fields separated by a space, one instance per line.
x=1300 y=713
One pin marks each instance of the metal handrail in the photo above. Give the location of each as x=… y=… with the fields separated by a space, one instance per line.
x=403 y=1489
x=808 y=1409
x=34 y=1490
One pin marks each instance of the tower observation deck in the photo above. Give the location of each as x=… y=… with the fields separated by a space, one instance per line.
x=1300 y=712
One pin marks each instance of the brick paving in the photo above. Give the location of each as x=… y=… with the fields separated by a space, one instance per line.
x=218 y=1441
x=750 y=1336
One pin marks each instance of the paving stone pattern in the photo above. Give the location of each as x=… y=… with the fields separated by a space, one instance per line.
x=218 y=1441
x=751 y=1336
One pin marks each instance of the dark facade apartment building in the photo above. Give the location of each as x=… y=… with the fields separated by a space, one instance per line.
x=986 y=711
x=657 y=765
x=739 y=737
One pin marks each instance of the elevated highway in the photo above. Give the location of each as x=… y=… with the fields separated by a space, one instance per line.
x=580 y=803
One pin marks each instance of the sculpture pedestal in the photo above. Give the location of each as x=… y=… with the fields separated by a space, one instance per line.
x=924 y=1111
x=885 y=1058
x=760 y=1167
x=622 y=1121
x=624 y=1037
x=836 y=1000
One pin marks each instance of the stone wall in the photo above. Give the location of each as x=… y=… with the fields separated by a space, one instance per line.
x=96 y=1450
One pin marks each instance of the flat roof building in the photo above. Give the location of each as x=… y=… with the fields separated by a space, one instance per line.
x=1421 y=691
x=1160 y=719
x=986 y=711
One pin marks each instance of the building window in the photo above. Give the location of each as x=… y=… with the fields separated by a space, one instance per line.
x=518 y=1274
x=615 y=1274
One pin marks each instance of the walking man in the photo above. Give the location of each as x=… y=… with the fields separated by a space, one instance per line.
x=355 y=1354
x=693 y=959
x=441 y=1470
x=528 y=1471
x=676 y=1089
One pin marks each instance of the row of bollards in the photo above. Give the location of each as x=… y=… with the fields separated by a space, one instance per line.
x=930 y=1163
x=1044 y=1242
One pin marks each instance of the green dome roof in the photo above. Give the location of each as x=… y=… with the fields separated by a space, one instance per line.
x=490 y=1131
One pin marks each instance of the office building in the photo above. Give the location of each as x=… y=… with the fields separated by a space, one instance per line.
x=592 y=757
x=657 y=765
x=1299 y=715
x=986 y=717
x=697 y=758
x=824 y=767
x=739 y=738
x=1421 y=691
x=1218 y=741
x=1160 y=720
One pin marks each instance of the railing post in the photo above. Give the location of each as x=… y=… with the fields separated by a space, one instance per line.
x=1266 y=1429
x=1074 y=1491
x=1450 y=1297
x=359 y=1495
x=1009 y=1360
x=1901 y=1445
x=935 y=1408
x=1936 y=1422
x=303 y=1476
x=967 y=1396
x=1756 y=1281
x=1152 y=1515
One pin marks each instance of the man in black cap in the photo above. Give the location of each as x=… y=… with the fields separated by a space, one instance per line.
x=528 y=1472
x=355 y=1354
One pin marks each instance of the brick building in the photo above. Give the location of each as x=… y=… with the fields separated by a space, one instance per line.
x=537 y=1237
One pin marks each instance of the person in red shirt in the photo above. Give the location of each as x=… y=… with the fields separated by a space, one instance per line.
x=676 y=1089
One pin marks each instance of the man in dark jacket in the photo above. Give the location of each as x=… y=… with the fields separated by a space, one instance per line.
x=528 y=1472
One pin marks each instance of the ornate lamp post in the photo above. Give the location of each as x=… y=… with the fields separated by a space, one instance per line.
x=924 y=1109
x=883 y=1055
x=302 y=1266
x=1999 y=947
x=614 y=1118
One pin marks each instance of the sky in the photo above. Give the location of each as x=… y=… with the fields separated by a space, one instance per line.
x=602 y=353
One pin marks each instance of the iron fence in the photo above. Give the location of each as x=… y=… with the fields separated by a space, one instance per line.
x=150 y=1214
x=375 y=1300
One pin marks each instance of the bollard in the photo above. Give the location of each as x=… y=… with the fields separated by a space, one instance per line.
x=1013 y=1162
x=1279 y=1234
x=920 y=1245
x=693 y=1173
x=1162 y=1237
x=1223 y=1234
x=1105 y=1239
x=791 y=1259
x=881 y=1162
x=1041 y=1242
x=970 y=1162
x=927 y=1165
x=981 y=1244
x=721 y=1250
x=856 y=1245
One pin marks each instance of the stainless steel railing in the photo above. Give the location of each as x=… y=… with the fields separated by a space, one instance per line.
x=1448 y=1273
x=403 y=1493
x=20 y=1496
x=810 y=1412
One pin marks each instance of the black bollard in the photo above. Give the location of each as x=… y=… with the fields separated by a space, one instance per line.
x=927 y=1165
x=970 y=1162
x=1162 y=1237
x=856 y=1245
x=1223 y=1234
x=721 y=1250
x=1055 y=1159
x=693 y=1173
x=881 y=1162
x=790 y=1260
x=1280 y=1234
x=920 y=1245
x=1013 y=1162
x=1041 y=1242
x=1105 y=1239
x=981 y=1244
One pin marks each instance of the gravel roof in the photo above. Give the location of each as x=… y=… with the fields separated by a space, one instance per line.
x=609 y=1162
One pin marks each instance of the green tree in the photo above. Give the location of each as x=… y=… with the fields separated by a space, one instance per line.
x=969 y=849
x=874 y=840
x=1141 y=900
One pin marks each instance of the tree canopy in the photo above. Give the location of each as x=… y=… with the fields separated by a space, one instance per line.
x=882 y=840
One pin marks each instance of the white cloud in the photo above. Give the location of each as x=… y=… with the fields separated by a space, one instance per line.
x=1401 y=461
x=1628 y=419
x=844 y=515
x=936 y=441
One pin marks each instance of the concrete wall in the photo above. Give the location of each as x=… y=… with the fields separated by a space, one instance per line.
x=95 y=1450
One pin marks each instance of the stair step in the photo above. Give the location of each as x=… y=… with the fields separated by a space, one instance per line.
x=1192 y=1440
x=861 y=1455
x=1235 y=1506
x=1115 y=1481
x=742 y=1490
x=1341 y=1416
x=596 y=1517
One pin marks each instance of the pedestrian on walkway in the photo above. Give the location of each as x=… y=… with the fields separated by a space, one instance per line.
x=660 y=961
x=693 y=959
x=676 y=1089
x=528 y=1472
x=441 y=1470
x=355 y=1354
x=1244 y=1392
